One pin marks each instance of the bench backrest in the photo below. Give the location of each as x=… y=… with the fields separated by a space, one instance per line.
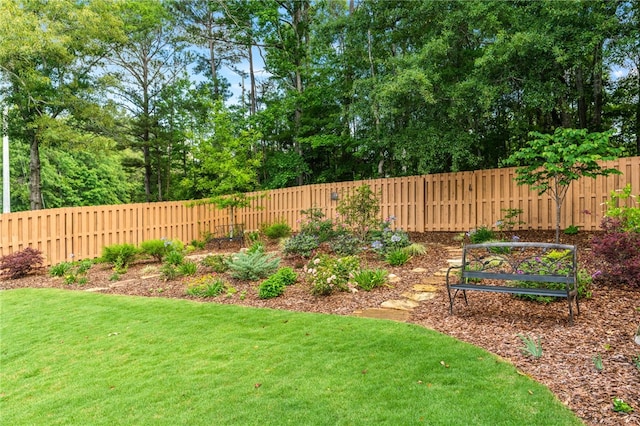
x=520 y=261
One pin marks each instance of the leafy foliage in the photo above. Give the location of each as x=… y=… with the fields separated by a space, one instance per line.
x=119 y=255
x=302 y=244
x=385 y=239
x=557 y=263
x=73 y=272
x=157 y=249
x=217 y=262
x=206 y=286
x=619 y=246
x=20 y=263
x=532 y=347
x=481 y=235
x=275 y=285
x=277 y=230
x=314 y=223
x=329 y=274
x=368 y=279
x=359 y=211
x=550 y=162
x=397 y=257
x=620 y=406
x=415 y=249
x=253 y=266
x=188 y=268
x=346 y=244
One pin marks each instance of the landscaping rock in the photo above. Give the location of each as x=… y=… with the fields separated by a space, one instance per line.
x=427 y=288
x=393 y=278
x=403 y=305
x=420 y=296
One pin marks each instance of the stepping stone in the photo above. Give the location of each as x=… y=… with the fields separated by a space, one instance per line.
x=123 y=283
x=95 y=289
x=147 y=277
x=419 y=270
x=434 y=281
x=403 y=305
x=441 y=273
x=388 y=314
x=420 y=296
x=393 y=278
x=454 y=262
x=426 y=288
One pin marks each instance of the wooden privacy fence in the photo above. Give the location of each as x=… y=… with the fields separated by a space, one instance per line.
x=80 y=232
x=454 y=201
x=437 y=202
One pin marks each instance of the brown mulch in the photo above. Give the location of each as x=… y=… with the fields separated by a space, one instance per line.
x=605 y=327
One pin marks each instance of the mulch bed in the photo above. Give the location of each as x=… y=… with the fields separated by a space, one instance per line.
x=605 y=327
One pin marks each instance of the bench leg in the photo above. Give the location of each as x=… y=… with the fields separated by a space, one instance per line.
x=451 y=300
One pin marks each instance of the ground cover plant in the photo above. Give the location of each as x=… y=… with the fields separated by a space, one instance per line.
x=86 y=358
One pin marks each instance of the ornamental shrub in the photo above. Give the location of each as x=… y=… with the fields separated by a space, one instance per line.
x=270 y=288
x=360 y=210
x=385 y=239
x=346 y=244
x=253 y=266
x=619 y=246
x=20 y=263
x=316 y=225
x=620 y=250
x=277 y=230
x=119 y=255
x=157 y=249
x=302 y=244
x=481 y=235
x=286 y=275
x=274 y=285
x=217 y=262
x=328 y=274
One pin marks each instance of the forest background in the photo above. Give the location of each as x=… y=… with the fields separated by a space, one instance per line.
x=119 y=101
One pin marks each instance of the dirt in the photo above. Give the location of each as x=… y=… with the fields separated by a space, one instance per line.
x=605 y=327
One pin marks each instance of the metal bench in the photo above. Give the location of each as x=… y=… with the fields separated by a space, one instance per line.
x=224 y=233
x=516 y=268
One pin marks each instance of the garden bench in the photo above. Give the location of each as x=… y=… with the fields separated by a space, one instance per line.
x=522 y=268
x=223 y=233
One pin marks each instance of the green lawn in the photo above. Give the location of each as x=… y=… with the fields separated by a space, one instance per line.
x=77 y=358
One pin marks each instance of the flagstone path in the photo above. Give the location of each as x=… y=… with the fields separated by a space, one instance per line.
x=400 y=309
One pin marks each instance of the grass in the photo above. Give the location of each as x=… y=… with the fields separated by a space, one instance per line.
x=77 y=358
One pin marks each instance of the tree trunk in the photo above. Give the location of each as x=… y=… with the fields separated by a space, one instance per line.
x=147 y=171
x=299 y=15
x=252 y=79
x=582 y=102
x=597 y=89
x=35 y=183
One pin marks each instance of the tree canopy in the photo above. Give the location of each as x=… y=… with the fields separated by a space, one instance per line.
x=171 y=96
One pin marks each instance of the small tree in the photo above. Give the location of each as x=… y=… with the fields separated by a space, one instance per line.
x=360 y=210
x=550 y=162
